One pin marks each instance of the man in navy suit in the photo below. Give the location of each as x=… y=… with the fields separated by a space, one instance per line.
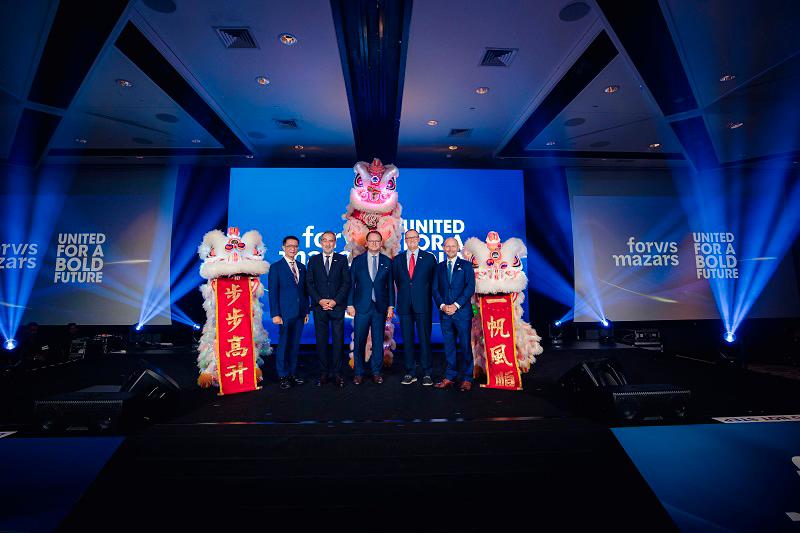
x=413 y=272
x=288 y=305
x=453 y=286
x=328 y=284
x=371 y=302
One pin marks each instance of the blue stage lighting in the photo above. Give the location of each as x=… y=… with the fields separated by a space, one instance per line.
x=138 y=327
x=10 y=344
x=196 y=327
x=729 y=337
x=605 y=322
x=557 y=323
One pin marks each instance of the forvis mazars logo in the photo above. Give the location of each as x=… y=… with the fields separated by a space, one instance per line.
x=18 y=255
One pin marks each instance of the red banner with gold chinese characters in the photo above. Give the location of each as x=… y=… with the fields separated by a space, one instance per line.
x=235 y=349
x=497 y=319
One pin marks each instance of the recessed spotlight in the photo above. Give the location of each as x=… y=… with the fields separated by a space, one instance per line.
x=80 y=140
x=302 y=156
x=482 y=90
x=727 y=77
x=139 y=157
x=195 y=141
x=288 y=39
x=452 y=147
x=655 y=146
x=262 y=80
x=432 y=122
x=298 y=146
x=550 y=143
x=734 y=125
x=448 y=156
x=611 y=89
x=125 y=84
x=249 y=156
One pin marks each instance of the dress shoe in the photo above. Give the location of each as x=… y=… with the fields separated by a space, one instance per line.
x=377 y=379
x=427 y=381
x=285 y=383
x=339 y=380
x=357 y=380
x=444 y=384
x=296 y=382
x=322 y=381
x=466 y=386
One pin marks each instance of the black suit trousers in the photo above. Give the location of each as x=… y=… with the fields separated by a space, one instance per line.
x=325 y=324
x=422 y=323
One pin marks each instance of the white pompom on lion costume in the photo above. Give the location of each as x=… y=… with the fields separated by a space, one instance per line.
x=498 y=269
x=230 y=255
x=374 y=207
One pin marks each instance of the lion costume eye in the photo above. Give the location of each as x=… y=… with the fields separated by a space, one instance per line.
x=358 y=182
x=375 y=179
x=390 y=185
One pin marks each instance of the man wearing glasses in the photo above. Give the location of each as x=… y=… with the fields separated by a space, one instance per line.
x=370 y=302
x=288 y=305
x=413 y=272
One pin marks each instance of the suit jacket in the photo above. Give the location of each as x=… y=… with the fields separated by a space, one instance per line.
x=414 y=295
x=332 y=285
x=459 y=290
x=361 y=284
x=287 y=299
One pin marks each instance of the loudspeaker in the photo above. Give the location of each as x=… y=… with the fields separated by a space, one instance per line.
x=601 y=387
x=145 y=394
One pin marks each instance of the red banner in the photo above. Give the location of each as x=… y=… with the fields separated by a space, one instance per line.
x=235 y=349
x=497 y=319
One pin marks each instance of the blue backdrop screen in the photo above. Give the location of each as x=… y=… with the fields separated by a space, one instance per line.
x=438 y=203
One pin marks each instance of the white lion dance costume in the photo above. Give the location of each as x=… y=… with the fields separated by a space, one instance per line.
x=374 y=206
x=240 y=260
x=499 y=282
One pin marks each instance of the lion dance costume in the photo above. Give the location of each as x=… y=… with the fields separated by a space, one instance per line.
x=497 y=327
x=232 y=265
x=374 y=206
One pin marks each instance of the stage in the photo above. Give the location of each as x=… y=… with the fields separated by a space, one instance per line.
x=378 y=457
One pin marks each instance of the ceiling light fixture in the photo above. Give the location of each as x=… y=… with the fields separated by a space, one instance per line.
x=125 y=84
x=611 y=89
x=655 y=146
x=482 y=90
x=249 y=156
x=550 y=143
x=288 y=39
x=734 y=125
x=80 y=140
x=196 y=141
x=452 y=147
x=727 y=77
x=432 y=122
x=262 y=80
x=298 y=146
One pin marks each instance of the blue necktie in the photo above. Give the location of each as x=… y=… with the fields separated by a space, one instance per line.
x=374 y=273
x=450 y=272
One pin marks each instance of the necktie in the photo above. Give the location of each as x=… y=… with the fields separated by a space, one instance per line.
x=327 y=264
x=294 y=272
x=411 y=264
x=449 y=271
x=374 y=273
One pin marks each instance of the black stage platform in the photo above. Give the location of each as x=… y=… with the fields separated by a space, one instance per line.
x=388 y=457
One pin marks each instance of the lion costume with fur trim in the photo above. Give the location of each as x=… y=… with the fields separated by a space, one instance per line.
x=498 y=269
x=374 y=207
x=230 y=255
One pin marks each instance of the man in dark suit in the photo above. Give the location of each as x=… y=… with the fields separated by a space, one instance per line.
x=453 y=286
x=328 y=284
x=413 y=272
x=288 y=305
x=371 y=302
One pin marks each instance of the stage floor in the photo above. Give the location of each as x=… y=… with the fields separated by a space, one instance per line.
x=388 y=457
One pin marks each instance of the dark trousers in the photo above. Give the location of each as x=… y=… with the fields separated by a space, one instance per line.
x=363 y=323
x=325 y=323
x=456 y=335
x=422 y=323
x=288 y=345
